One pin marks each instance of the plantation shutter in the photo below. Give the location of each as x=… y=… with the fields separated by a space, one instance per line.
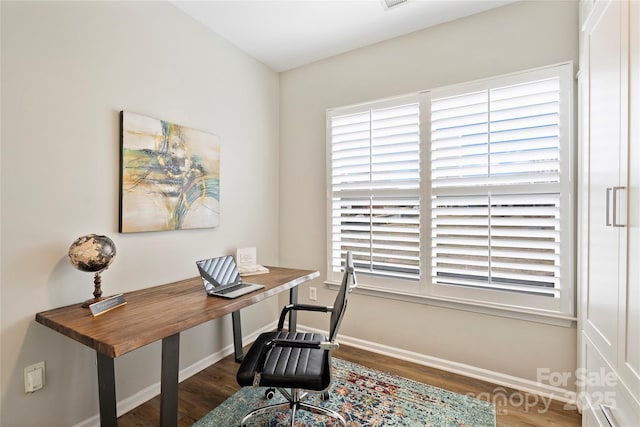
x=495 y=188
x=375 y=189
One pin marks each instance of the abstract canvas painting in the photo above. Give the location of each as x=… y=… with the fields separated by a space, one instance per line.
x=169 y=176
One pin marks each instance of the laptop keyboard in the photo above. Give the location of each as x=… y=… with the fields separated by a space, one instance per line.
x=229 y=289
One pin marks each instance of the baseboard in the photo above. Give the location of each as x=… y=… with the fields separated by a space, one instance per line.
x=132 y=402
x=500 y=379
x=497 y=378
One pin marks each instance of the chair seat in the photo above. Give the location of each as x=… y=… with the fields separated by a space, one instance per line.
x=288 y=367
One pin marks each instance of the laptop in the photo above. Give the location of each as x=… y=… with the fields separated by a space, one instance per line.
x=221 y=278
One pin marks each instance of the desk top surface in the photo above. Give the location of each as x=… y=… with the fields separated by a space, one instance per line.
x=158 y=312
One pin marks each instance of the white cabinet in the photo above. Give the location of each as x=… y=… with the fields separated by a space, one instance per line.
x=609 y=319
x=607 y=178
x=629 y=318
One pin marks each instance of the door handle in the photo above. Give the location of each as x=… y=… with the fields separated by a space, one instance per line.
x=614 y=202
x=615 y=206
x=607 y=208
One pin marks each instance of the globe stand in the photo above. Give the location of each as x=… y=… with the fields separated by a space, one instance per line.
x=97 y=291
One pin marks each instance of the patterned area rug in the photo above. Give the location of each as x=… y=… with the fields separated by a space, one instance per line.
x=364 y=397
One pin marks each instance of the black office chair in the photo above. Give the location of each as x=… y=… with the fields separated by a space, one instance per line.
x=295 y=360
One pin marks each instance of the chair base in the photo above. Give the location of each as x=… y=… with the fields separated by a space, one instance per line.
x=295 y=403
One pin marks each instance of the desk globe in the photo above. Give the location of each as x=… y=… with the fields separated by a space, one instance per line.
x=92 y=253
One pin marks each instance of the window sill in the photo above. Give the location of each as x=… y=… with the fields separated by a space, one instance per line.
x=471 y=306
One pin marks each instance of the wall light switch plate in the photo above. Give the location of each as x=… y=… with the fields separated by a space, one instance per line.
x=312 y=294
x=34 y=377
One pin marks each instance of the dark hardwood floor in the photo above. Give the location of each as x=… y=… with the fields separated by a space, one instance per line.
x=204 y=391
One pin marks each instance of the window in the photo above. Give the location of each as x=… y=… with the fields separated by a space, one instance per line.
x=375 y=188
x=462 y=194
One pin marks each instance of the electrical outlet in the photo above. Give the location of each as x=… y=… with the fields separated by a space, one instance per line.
x=34 y=377
x=312 y=294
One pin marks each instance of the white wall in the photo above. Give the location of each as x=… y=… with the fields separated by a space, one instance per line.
x=512 y=38
x=68 y=68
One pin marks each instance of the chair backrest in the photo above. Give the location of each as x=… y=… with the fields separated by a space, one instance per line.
x=340 y=304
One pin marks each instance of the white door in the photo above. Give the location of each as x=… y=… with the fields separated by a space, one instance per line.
x=629 y=320
x=605 y=153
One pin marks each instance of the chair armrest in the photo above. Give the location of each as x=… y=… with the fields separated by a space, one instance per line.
x=300 y=307
x=293 y=344
x=321 y=345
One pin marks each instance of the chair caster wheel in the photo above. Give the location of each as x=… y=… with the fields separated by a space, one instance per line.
x=325 y=395
x=270 y=393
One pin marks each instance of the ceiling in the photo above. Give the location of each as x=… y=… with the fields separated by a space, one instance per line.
x=285 y=34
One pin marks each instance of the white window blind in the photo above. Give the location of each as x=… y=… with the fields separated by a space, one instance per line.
x=375 y=188
x=459 y=195
x=496 y=188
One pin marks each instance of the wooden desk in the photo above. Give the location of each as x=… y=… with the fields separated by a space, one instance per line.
x=161 y=313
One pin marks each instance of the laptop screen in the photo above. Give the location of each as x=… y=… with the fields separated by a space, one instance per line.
x=219 y=271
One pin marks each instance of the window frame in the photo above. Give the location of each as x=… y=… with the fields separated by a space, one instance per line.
x=559 y=311
x=373 y=281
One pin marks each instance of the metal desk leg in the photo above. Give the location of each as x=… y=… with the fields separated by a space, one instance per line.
x=293 y=314
x=107 y=391
x=237 y=336
x=169 y=381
